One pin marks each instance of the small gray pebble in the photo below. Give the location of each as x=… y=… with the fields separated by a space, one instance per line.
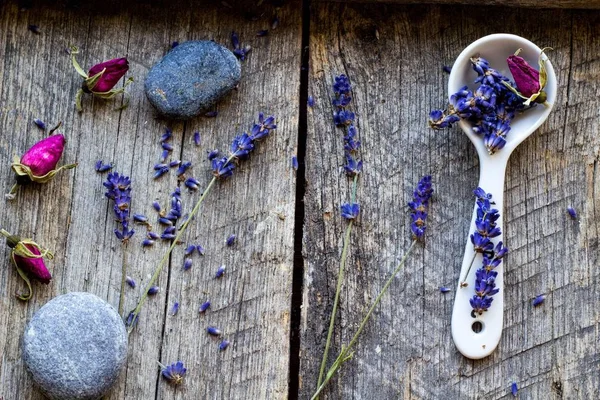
x=75 y=347
x=191 y=78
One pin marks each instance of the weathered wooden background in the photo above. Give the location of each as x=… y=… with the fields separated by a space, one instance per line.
x=393 y=56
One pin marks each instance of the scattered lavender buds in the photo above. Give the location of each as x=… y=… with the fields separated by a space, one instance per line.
x=166 y=136
x=230 y=240
x=183 y=167
x=514 y=389
x=39 y=123
x=130 y=282
x=153 y=290
x=174 y=373
x=132 y=319
x=153 y=235
x=212 y=154
x=350 y=211
x=220 y=271
x=447 y=69
x=444 y=289
x=211 y=330
x=263 y=32
x=119 y=190
x=190 y=249
x=167 y=147
x=174 y=44
x=187 y=264
x=156 y=206
x=101 y=167
x=161 y=171
x=200 y=249
x=223 y=345
x=147 y=242
x=211 y=114
x=165 y=221
x=35 y=29
x=197 y=138
x=192 y=183
x=174 y=163
x=419 y=206
x=140 y=218
x=239 y=52
x=572 y=212
x=204 y=306
x=311 y=101
x=485 y=230
x=164 y=155
x=295 y=163
x=175 y=309
x=538 y=300
x=167 y=236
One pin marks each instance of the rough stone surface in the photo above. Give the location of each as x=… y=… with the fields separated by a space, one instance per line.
x=191 y=78
x=75 y=346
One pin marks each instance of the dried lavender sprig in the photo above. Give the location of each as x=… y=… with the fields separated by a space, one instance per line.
x=260 y=130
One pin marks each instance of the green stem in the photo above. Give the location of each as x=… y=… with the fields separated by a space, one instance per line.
x=343 y=355
x=336 y=300
x=140 y=303
x=123 y=275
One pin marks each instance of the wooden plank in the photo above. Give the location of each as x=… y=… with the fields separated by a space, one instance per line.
x=586 y=4
x=72 y=216
x=393 y=56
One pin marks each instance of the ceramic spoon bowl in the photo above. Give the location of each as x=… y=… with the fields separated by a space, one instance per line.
x=478 y=337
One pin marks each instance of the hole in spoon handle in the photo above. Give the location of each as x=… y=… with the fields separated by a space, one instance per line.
x=476 y=336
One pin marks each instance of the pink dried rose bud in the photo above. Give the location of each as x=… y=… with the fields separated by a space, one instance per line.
x=28 y=258
x=530 y=82
x=38 y=164
x=526 y=77
x=114 y=70
x=43 y=156
x=101 y=79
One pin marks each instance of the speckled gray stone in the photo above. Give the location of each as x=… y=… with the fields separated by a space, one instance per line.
x=191 y=78
x=75 y=347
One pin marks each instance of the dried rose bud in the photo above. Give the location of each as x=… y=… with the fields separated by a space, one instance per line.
x=38 y=164
x=529 y=81
x=101 y=78
x=28 y=258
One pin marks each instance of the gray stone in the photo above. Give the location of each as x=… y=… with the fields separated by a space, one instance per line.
x=75 y=347
x=191 y=78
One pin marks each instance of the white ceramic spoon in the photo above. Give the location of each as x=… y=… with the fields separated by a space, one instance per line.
x=495 y=48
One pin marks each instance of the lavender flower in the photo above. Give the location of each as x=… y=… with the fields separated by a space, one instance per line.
x=295 y=163
x=187 y=264
x=165 y=221
x=39 y=123
x=175 y=309
x=444 y=289
x=156 y=206
x=130 y=282
x=174 y=44
x=192 y=183
x=204 y=306
x=572 y=212
x=212 y=154
x=131 y=320
x=230 y=240
x=538 y=300
x=147 y=242
x=153 y=235
x=161 y=171
x=164 y=155
x=174 y=163
x=167 y=236
x=223 y=345
x=200 y=250
x=140 y=218
x=197 y=138
x=119 y=190
x=153 y=290
x=420 y=205
x=239 y=52
x=211 y=330
x=101 y=167
x=220 y=271
x=350 y=211
x=311 y=101
x=447 y=69
x=166 y=146
x=174 y=373
x=514 y=389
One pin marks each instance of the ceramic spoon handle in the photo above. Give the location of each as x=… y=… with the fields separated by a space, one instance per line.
x=470 y=343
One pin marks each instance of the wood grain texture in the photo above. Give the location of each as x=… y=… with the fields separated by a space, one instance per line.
x=70 y=215
x=585 y=4
x=393 y=56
